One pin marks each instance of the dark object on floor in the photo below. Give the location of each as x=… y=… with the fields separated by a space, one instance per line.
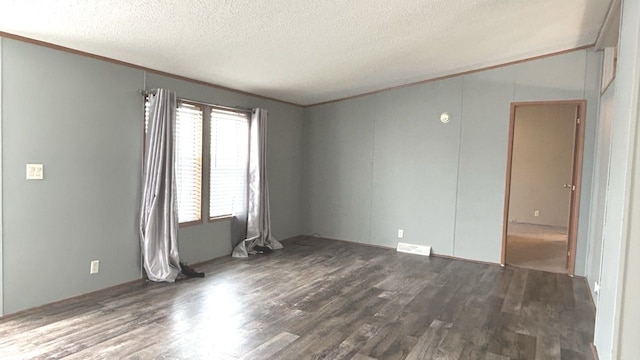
x=189 y=272
x=262 y=249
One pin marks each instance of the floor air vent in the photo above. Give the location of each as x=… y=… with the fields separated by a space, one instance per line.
x=414 y=249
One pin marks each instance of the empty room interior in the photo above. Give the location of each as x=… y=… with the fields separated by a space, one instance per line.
x=319 y=180
x=539 y=212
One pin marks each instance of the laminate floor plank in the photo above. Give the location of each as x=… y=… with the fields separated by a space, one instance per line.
x=515 y=294
x=362 y=357
x=399 y=348
x=452 y=345
x=269 y=348
x=428 y=343
x=514 y=345
x=122 y=346
x=319 y=299
x=353 y=343
x=548 y=348
x=472 y=352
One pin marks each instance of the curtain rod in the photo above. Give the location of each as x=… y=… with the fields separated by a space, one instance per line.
x=220 y=107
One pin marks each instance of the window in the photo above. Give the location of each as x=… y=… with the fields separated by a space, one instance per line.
x=188 y=160
x=188 y=136
x=229 y=152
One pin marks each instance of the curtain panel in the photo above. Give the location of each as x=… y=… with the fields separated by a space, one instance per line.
x=258 y=227
x=158 y=214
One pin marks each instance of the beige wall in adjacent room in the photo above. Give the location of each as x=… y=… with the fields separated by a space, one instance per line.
x=542 y=161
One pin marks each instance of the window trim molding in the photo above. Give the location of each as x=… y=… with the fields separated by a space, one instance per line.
x=220 y=218
x=189 y=223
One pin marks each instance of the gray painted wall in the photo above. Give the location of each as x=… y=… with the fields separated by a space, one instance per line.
x=542 y=162
x=483 y=163
x=382 y=162
x=630 y=311
x=629 y=347
x=599 y=189
x=338 y=169
x=413 y=149
x=617 y=236
x=82 y=118
x=592 y=93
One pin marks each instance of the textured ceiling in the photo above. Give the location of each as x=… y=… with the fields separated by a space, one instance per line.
x=308 y=52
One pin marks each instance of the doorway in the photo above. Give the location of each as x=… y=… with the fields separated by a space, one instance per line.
x=544 y=168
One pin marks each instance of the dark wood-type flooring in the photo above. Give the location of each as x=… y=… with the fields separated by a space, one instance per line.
x=319 y=299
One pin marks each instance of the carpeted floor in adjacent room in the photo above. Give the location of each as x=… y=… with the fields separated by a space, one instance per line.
x=537 y=247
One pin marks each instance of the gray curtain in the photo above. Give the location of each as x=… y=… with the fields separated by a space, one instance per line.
x=258 y=217
x=158 y=215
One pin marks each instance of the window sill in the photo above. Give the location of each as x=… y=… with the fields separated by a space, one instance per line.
x=220 y=218
x=189 y=223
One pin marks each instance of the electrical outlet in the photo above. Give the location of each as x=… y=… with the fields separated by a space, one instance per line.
x=400 y=233
x=536 y=213
x=95 y=267
x=596 y=288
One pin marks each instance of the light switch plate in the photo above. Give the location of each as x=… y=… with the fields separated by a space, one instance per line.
x=35 y=171
x=95 y=267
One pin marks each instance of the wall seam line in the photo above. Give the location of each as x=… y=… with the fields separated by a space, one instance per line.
x=593 y=194
x=144 y=135
x=457 y=193
x=373 y=155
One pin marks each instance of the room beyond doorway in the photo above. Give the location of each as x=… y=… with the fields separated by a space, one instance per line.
x=543 y=185
x=539 y=247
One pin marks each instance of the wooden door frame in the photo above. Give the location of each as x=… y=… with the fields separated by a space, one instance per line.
x=577 y=178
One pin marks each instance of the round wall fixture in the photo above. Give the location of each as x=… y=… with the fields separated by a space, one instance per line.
x=445 y=118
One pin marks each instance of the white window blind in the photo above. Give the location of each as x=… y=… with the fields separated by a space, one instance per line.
x=188 y=135
x=188 y=160
x=229 y=160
